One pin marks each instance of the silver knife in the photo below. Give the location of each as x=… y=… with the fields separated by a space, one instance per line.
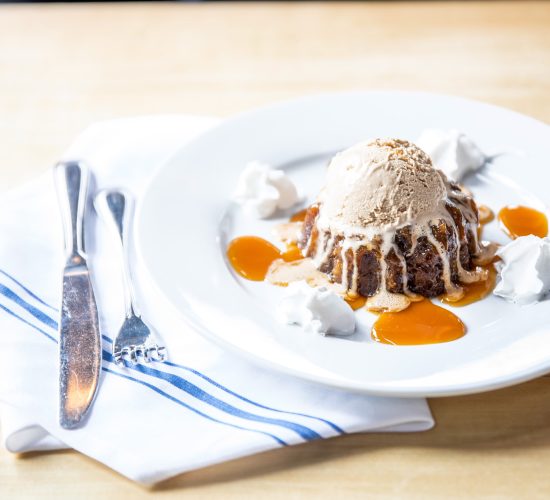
x=79 y=336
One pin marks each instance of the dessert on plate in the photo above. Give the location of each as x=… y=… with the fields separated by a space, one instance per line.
x=390 y=227
x=387 y=229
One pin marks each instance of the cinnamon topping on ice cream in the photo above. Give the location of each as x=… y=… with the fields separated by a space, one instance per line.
x=391 y=227
x=381 y=183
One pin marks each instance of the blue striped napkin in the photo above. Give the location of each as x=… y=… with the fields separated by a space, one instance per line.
x=149 y=422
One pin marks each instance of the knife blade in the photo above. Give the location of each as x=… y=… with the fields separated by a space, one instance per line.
x=79 y=334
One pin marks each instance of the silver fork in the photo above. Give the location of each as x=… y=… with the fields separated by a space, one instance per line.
x=135 y=340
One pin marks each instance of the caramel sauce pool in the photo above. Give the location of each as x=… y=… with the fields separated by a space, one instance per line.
x=521 y=221
x=475 y=291
x=251 y=256
x=421 y=323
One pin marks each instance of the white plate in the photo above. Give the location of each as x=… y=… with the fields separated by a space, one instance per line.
x=186 y=219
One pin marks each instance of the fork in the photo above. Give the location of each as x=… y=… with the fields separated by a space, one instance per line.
x=135 y=340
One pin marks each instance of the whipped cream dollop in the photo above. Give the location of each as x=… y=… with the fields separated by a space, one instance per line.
x=316 y=309
x=524 y=270
x=452 y=152
x=262 y=190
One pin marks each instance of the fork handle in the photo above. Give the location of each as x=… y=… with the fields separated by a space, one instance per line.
x=116 y=207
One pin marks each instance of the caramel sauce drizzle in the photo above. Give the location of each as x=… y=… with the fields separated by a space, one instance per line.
x=519 y=221
x=251 y=256
x=421 y=323
x=475 y=291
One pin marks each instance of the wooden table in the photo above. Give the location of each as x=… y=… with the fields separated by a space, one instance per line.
x=64 y=66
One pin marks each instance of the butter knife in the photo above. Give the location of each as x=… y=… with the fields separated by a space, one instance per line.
x=79 y=336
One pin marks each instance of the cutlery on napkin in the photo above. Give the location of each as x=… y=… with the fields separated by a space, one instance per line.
x=149 y=421
x=78 y=327
x=135 y=340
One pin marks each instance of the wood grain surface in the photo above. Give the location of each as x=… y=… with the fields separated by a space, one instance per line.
x=66 y=65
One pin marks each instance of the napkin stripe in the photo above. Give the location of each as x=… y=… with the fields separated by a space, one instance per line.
x=201 y=409
x=11 y=313
x=29 y=292
x=185 y=405
x=218 y=385
x=195 y=391
x=107 y=356
x=303 y=431
x=53 y=324
x=243 y=398
x=37 y=313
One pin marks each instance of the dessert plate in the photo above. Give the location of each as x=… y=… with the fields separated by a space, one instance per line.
x=186 y=220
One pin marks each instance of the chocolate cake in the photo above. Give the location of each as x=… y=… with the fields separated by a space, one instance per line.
x=389 y=226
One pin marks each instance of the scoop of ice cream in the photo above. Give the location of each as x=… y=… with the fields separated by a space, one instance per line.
x=381 y=183
x=453 y=152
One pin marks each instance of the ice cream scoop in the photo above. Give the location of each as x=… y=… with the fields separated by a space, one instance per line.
x=380 y=183
x=389 y=226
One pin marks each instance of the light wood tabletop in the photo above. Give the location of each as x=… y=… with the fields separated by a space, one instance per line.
x=64 y=66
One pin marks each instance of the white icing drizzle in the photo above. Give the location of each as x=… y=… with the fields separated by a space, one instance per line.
x=404 y=276
x=345 y=275
x=326 y=248
x=356 y=237
x=375 y=189
x=385 y=301
x=450 y=288
x=281 y=273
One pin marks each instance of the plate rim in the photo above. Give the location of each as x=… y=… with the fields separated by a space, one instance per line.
x=375 y=388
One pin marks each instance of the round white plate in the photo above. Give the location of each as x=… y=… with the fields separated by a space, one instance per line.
x=186 y=220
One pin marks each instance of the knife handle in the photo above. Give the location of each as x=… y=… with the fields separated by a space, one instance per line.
x=71 y=181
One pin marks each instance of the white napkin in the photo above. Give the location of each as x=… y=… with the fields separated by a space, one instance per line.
x=149 y=423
